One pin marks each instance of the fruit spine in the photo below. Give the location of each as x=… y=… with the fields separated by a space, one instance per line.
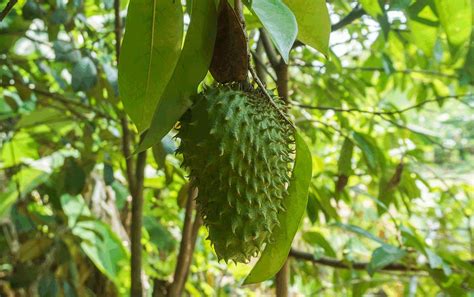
x=239 y=152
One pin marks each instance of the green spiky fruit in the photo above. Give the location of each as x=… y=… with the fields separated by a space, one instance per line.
x=238 y=148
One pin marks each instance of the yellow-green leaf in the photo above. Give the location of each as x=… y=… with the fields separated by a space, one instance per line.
x=313 y=21
x=372 y=7
x=456 y=19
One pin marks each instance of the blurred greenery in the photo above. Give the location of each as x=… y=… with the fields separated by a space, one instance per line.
x=388 y=117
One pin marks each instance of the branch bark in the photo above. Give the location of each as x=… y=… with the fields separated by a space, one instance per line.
x=186 y=248
x=348 y=19
x=345 y=265
x=385 y=112
x=269 y=49
x=283 y=276
x=136 y=228
x=7 y=9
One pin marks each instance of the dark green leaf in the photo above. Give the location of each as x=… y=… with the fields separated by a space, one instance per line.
x=108 y=174
x=197 y=51
x=150 y=51
x=383 y=256
x=317 y=238
x=48 y=286
x=345 y=159
x=159 y=235
x=66 y=52
x=84 y=75
x=276 y=252
x=368 y=149
x=74 y=177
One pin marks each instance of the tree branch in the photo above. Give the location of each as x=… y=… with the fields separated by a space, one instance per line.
x=269 y=50
x=135 y=180
x=283 y=276
x=388 y=112
x=348 y=19
x=62 y=99
x=347 y=265
x=187 y=244
x=7 y=9
x=136 y=227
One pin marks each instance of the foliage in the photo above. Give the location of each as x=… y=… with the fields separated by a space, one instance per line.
x=385 y=108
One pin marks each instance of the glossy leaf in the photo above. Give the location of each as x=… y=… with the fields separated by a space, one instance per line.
x=197 y=51
x=314 y=25
x=276 y=252
x=279 y=22
x=149 y=53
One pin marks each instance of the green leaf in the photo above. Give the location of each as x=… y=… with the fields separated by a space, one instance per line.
x=456 y=19
x=368 y=148
x=383 y=256
x=189 y=72
x=423 y=33
x=28 y=179
x=47 y=286
x=65 y=51
x=34 y=248
x=372 y=7
x=345 y=159
x=275 y=253
x=318 y=239
x=360 y=231
x=159 y=235
x=280 y=23
x=314 y=25
x=150 y=51
x=46 y=115
x=103 y=247
x=74 y=177
x=84 y=75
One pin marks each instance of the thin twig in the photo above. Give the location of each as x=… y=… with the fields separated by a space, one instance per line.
x=186 y=247
x=348 y=19
x=388 y=112
x=348 y=265
x=136 y=228
x=7 y=9
x=269 y=50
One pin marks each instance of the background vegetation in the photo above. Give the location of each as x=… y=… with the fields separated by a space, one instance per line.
x=388 y=116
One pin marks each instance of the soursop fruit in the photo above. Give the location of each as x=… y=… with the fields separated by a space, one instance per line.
x=239 y=150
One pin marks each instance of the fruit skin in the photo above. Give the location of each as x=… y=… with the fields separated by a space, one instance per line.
x=239 y=152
